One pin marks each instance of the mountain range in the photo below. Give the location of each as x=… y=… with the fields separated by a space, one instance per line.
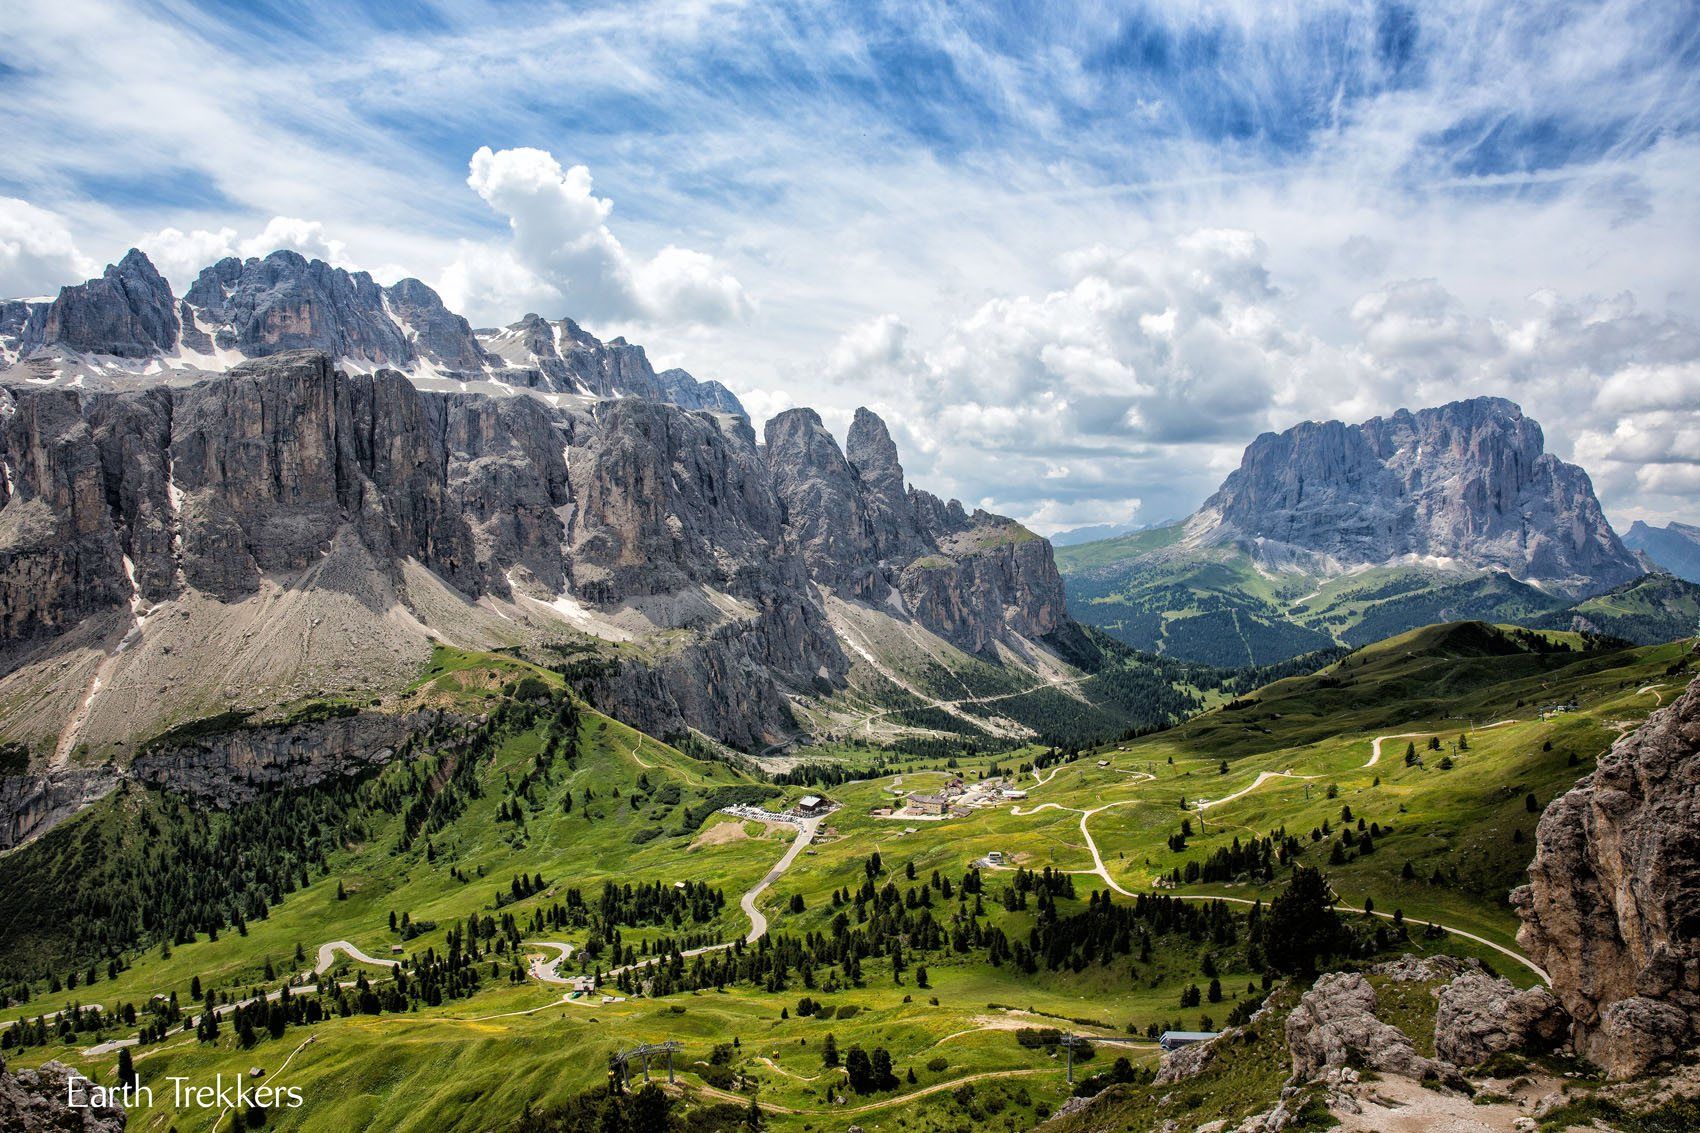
x=1330 y=533
x=290 y=528
x=293 y=481
x=128 y=324
x=1675 y=547
x=317 y=624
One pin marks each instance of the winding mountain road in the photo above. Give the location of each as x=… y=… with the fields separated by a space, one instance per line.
x=1262 y=778
x=758 y=920
x=544 y=969
x=328 y=951
x=548 y=970
x=1100 y=870
x=1104 y=874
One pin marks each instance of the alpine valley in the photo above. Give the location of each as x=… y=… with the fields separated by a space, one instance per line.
x=449 y=728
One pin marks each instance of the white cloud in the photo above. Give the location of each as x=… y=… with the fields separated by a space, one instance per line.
x=1154 y=366
x=876 y=349
x=305 y=236
x=180 y=255
x=679 y=285
x=563 y=253
x=938 y=207
x=37 y=253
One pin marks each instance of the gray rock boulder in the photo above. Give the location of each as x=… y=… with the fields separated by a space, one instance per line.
x=1335 y=1026
x=1479 y=1015
x=35 y=1101
x=1612 y=908
x=1637 y=1035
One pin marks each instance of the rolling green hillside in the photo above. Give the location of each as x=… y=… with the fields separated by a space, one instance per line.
x=1217 y=606
x=1657 y=607
x=491 y=846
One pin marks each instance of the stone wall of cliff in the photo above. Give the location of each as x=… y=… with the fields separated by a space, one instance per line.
x=288 y=473
x=1468 y=482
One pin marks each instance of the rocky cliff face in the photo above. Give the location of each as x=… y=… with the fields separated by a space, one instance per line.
x=289 y=528
x=14 y=317
x=261 y=307
x=60 y=560
x=240 y=765
x=129 y=313
x=562 y=357
x=1612 y=908
x=972 y=579
x=1467 y=483
x=34 y=804
x=284 y=302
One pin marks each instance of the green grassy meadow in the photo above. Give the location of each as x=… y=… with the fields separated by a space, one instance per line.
x=474 y=1063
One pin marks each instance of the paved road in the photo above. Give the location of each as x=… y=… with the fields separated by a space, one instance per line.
x=758 y=921
x=1262 y=778
x=326 y=961
x=546 y=970
x=328 y=951
x=1103 y=873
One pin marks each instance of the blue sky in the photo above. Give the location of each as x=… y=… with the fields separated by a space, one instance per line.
x=1078 y=255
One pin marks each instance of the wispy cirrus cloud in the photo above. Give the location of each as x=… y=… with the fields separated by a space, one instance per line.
x=976 y=217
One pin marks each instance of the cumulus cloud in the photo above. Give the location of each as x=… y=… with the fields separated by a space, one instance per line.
x=875 y=351
x=181 y=255
x=37 y=253
x=563 y=256
x=1154 y=366
x=1060 y=405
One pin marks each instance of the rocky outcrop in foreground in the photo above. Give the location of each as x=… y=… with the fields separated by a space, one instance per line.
x=1333 y=1034
x=33 y=1101
x=1480 y=1015
x=1335 y=1026
x=1612 y=908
